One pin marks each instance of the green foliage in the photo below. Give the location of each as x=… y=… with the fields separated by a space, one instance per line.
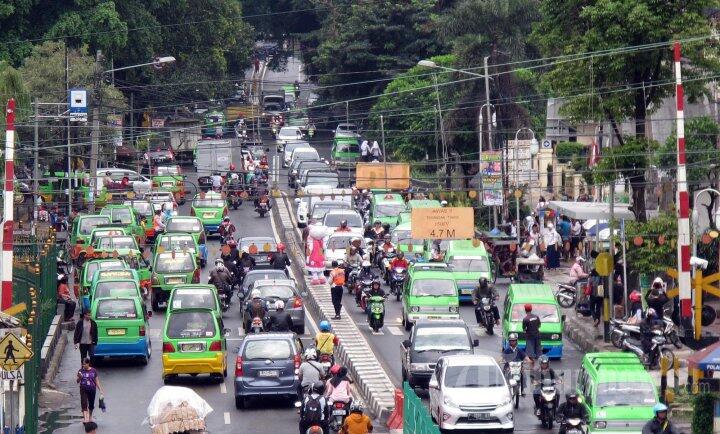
x=703 y=411
x=652 y=256
x=701 y=135
x=567 y=151
x=12 y=86
x=579 y=26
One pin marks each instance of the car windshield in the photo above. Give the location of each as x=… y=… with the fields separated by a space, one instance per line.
x=208 y=202
x=119 y=215
x=188 y=298
x=470 y=264
x=116 y=288
x=441 y=339
x=332 y=220
x=434 y=287
x=181 y=263
x=192 y=324
x=389 y=209
x=272 y=107
x=305 y=155
x=92 y=266
x=107 y=243
x=322 y=179
x=251 y=278
x=183 y=225
x=273 y=291
x=321 y=209
x=625 y=393
x=258 y=246
x=89 y=223
x=119 y=308
x=301 y=165
x=178 y=243
x=142 y=208
x=340 y=242
x=546 y=312
x=161 y=198
x=348 y=147
x=405 y=237
x=474 y=376
x=346 y=128
x=269 y=349
x=168 y=170
x=288 y=132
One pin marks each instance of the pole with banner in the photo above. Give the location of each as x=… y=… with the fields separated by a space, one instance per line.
x=8 y=208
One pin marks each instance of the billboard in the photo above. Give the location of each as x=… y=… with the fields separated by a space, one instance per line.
x=394 y=176
x=491 y=173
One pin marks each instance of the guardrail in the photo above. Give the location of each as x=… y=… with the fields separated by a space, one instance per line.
x=416 y=417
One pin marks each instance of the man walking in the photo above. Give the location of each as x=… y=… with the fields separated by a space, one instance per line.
x=86 y=336
x=531 y=327
x=337 y=277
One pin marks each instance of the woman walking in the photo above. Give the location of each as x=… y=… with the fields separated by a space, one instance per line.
x=89 y=382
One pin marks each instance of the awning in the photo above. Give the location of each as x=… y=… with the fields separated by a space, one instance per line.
x=591 y=210
x=707 y=359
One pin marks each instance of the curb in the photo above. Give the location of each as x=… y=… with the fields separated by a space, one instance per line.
x=353 y=352
x=55 y=361
x=49 y=358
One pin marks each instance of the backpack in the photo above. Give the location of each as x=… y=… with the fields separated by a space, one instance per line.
x=338 y=277
x=313 y=411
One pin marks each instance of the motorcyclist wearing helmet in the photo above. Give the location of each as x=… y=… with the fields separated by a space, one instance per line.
x=485 y=290
x=635 y=315
x=314 y=406
x=337 y=388
x=220 y=276
x=343 y=227
x=279 y=260
x=256 y=308
x=513 y=353
x=364 y=274
x=325 y=340
x=657 y=297
x=280 y=320
x=231 y=259
x=378 y=232
x=356 y=422
x=247 y=261
x=660 y=424
x=226 y=230
x=570 y=409
x=310 y=371
x=399 y=261
x=577 y=272
x=545 y=372
x=647 y=327
x=375 y=291
x=353 y=258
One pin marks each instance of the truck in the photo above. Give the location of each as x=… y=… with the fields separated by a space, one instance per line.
x=273 y=104
x=213 y=156
x=184 y=135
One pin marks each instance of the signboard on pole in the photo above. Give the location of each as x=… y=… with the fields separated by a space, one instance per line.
x=13 y=353
x=158 y=122
x=393 y=176
x=77 y=103
x=491 y=172
x=442 y=223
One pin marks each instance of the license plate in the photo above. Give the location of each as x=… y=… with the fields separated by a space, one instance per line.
x=269 y=373
x=175 y=280
x=208 y=215
x=432 y=317
x=194 y=348
x=116 y=332
x=338 y=412
x=479 y=416
x=168 y=184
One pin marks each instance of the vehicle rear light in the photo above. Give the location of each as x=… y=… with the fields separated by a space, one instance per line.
x=146 y=283
x=174 y=206
x=168 y=347
x=81 y=241
x=216 y=346
x=142 y=330
x=196 y=276
x=297 y=361
x=155 y=184
x=297 y=302
x=339 y=404
x=238 y=367
x=192 y=212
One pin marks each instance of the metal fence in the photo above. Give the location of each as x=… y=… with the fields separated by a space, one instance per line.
x=34 y=283
x=416 y=417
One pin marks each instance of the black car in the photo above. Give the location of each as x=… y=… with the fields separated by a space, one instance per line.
x=430 y=340
x=262 y=273
x=298 y=166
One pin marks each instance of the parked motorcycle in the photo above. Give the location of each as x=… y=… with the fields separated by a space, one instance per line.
x=657 y=349
x=338 y=413
x=376 y=314
x=621 y=329
x=548 y=402
x=484 y=314
x=566 y=295
x=397 y=278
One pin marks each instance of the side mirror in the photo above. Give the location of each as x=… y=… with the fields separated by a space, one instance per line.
x=150 y=268
x=406 y=343
x=226 y=332
x=433 y=384
x=476 y=342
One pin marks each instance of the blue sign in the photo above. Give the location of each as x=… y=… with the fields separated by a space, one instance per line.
x=77 y=104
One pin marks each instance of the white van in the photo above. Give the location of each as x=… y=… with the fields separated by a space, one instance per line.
x=311 y=195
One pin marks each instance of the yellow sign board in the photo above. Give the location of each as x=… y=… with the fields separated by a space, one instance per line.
x=393 y=176
x=13 y=353
x=442 y=223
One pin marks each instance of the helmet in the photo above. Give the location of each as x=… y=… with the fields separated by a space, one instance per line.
x=658 y=282
x=512 y=337
x=219 y=261
x=232 y=167
x=279 y=305
x=635 y=296
x=544 y=360
x=365 y=263
x=356 y=407
x=343 y=223
x=651 y=312
x=226 y=219
x=401 y=255
x=281 y=247
x=335 y=369
x=319 y=387
x=659 y=408
x=377 y=223
x=324 y=326
x=375 y=284
x=231 y=242
x=571 y=396
x=483 y=281
x=310 y=354
x=528 y=307
x=255 y=293
x=387 y=237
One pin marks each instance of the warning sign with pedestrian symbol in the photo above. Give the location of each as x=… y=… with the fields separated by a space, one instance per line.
x=13 y=353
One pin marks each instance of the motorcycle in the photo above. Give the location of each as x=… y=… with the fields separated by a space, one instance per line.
x=338 y=413
x=657 y=349
x=573 y=425
x=326 y=360
x=361 y=288
x=484 y=314
x=397 y=277
x=620 y=329
x=566 y=295
x=256 y=325
x=376 y=312
x=548 y=402
x=352 y=275
x=224 y=295
x=514 y=374
x=262 y=209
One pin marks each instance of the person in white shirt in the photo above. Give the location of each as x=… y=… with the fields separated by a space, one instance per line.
x=375 y=151
x=575 y=237
x=552 y=241
x=365 y=150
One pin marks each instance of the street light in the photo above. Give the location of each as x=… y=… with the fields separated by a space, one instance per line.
x=533 y=150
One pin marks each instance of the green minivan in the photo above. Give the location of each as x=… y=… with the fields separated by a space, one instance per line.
x=107 y=287
x=82 y=229
x=210 y=208
x=193 y=343
x=122 y=327
x=345 y=153
x=617 y=391
x=468 y=263
x=88 y=273
x=170 y=269
x=127 y=216
x=195 y=295
x=429 y=292
x=385 y=207
x=544 y=304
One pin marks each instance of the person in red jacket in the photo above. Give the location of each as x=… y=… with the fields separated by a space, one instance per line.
x=399 y=261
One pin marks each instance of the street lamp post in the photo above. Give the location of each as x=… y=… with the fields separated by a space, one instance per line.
x=480 y=152
x=533 y=147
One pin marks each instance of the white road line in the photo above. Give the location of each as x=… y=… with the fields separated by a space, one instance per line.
x=226 y=415
x=241 y=331
x=398 y=320
x=395 y=331
x=223 y=388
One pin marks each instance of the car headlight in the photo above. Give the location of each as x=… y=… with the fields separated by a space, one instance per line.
x=506 y=401
x=454 y=309
x=555 y=336
x=418 y=367
x=415 y=309
x=450 y=403
x=600 y=424
x=294 y=172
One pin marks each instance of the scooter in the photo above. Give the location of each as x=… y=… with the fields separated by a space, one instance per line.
x=361 y=288
x=352 y=275
x=514 y=376
x=657 y=349
x=548 y=402
x=484 y=314
x=376 y=312
x=256 y=325
x=566 y=295
x=234 y=199
x=397 y=277
x=620 y=330
x=338 y=413
x=573 y=425
x=262 y=209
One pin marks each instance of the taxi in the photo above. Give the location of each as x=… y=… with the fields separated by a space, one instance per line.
x=193 y=343
x=111 y=230
x=83 y=284
x=181 y=241
x=429 y=292
x=123 y=247
x=122 y=327
x=386 y=207
x=190 y=225
x=195 y=295
x=210 y=208
x=345 y=153
x=170 y=269
x=469 y=263
x=82 y=229
x=545 y=306
x=128 y=217
x=104 y=286
x=170 y=178
x=144 y=209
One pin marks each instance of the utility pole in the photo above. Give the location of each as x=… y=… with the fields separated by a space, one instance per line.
x=36 y=160
x=347 y=112
x=608 y=302
x=489 y=118
x=480 y=174
x=6 y=293
x=95 y=133
x=70 y=178
x=382 y=138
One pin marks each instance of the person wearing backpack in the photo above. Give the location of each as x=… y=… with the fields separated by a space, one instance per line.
x=337 y=277
x=314 y=409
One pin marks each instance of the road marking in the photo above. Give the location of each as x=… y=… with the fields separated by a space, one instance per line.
x=398 y=320
x=241 y=331
x=376 y=333
x=395 y=331
x=226 y=415
x=154 y=333
x=223 y=388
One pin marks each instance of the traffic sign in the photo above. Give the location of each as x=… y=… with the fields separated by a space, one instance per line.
x=442 y=223
x=13 y=353
x=77 y=103
x=546 y=144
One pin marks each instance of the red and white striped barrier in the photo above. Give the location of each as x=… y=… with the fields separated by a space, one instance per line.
x=8 y=202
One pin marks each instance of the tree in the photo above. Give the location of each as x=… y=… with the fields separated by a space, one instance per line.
x=628 y=161
x=701 y=135
x=657 y=251
x=12 y=86
x=590 y=84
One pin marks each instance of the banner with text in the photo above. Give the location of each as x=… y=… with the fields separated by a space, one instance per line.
x=491 y=172
x=442 y=223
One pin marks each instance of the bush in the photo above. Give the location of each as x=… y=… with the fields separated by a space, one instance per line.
x=566 y=151
x=703 y=413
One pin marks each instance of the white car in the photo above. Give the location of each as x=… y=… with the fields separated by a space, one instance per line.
x=140 y=184
x=332 y=220
x=289 y=148
x=346 y=130
x=287 y=135
x=306 y=154
x=469 y=392
x=337 y=245
x=316 y=194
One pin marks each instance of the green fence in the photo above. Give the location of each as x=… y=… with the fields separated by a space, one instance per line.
x=35 y=284
x=416 y=417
